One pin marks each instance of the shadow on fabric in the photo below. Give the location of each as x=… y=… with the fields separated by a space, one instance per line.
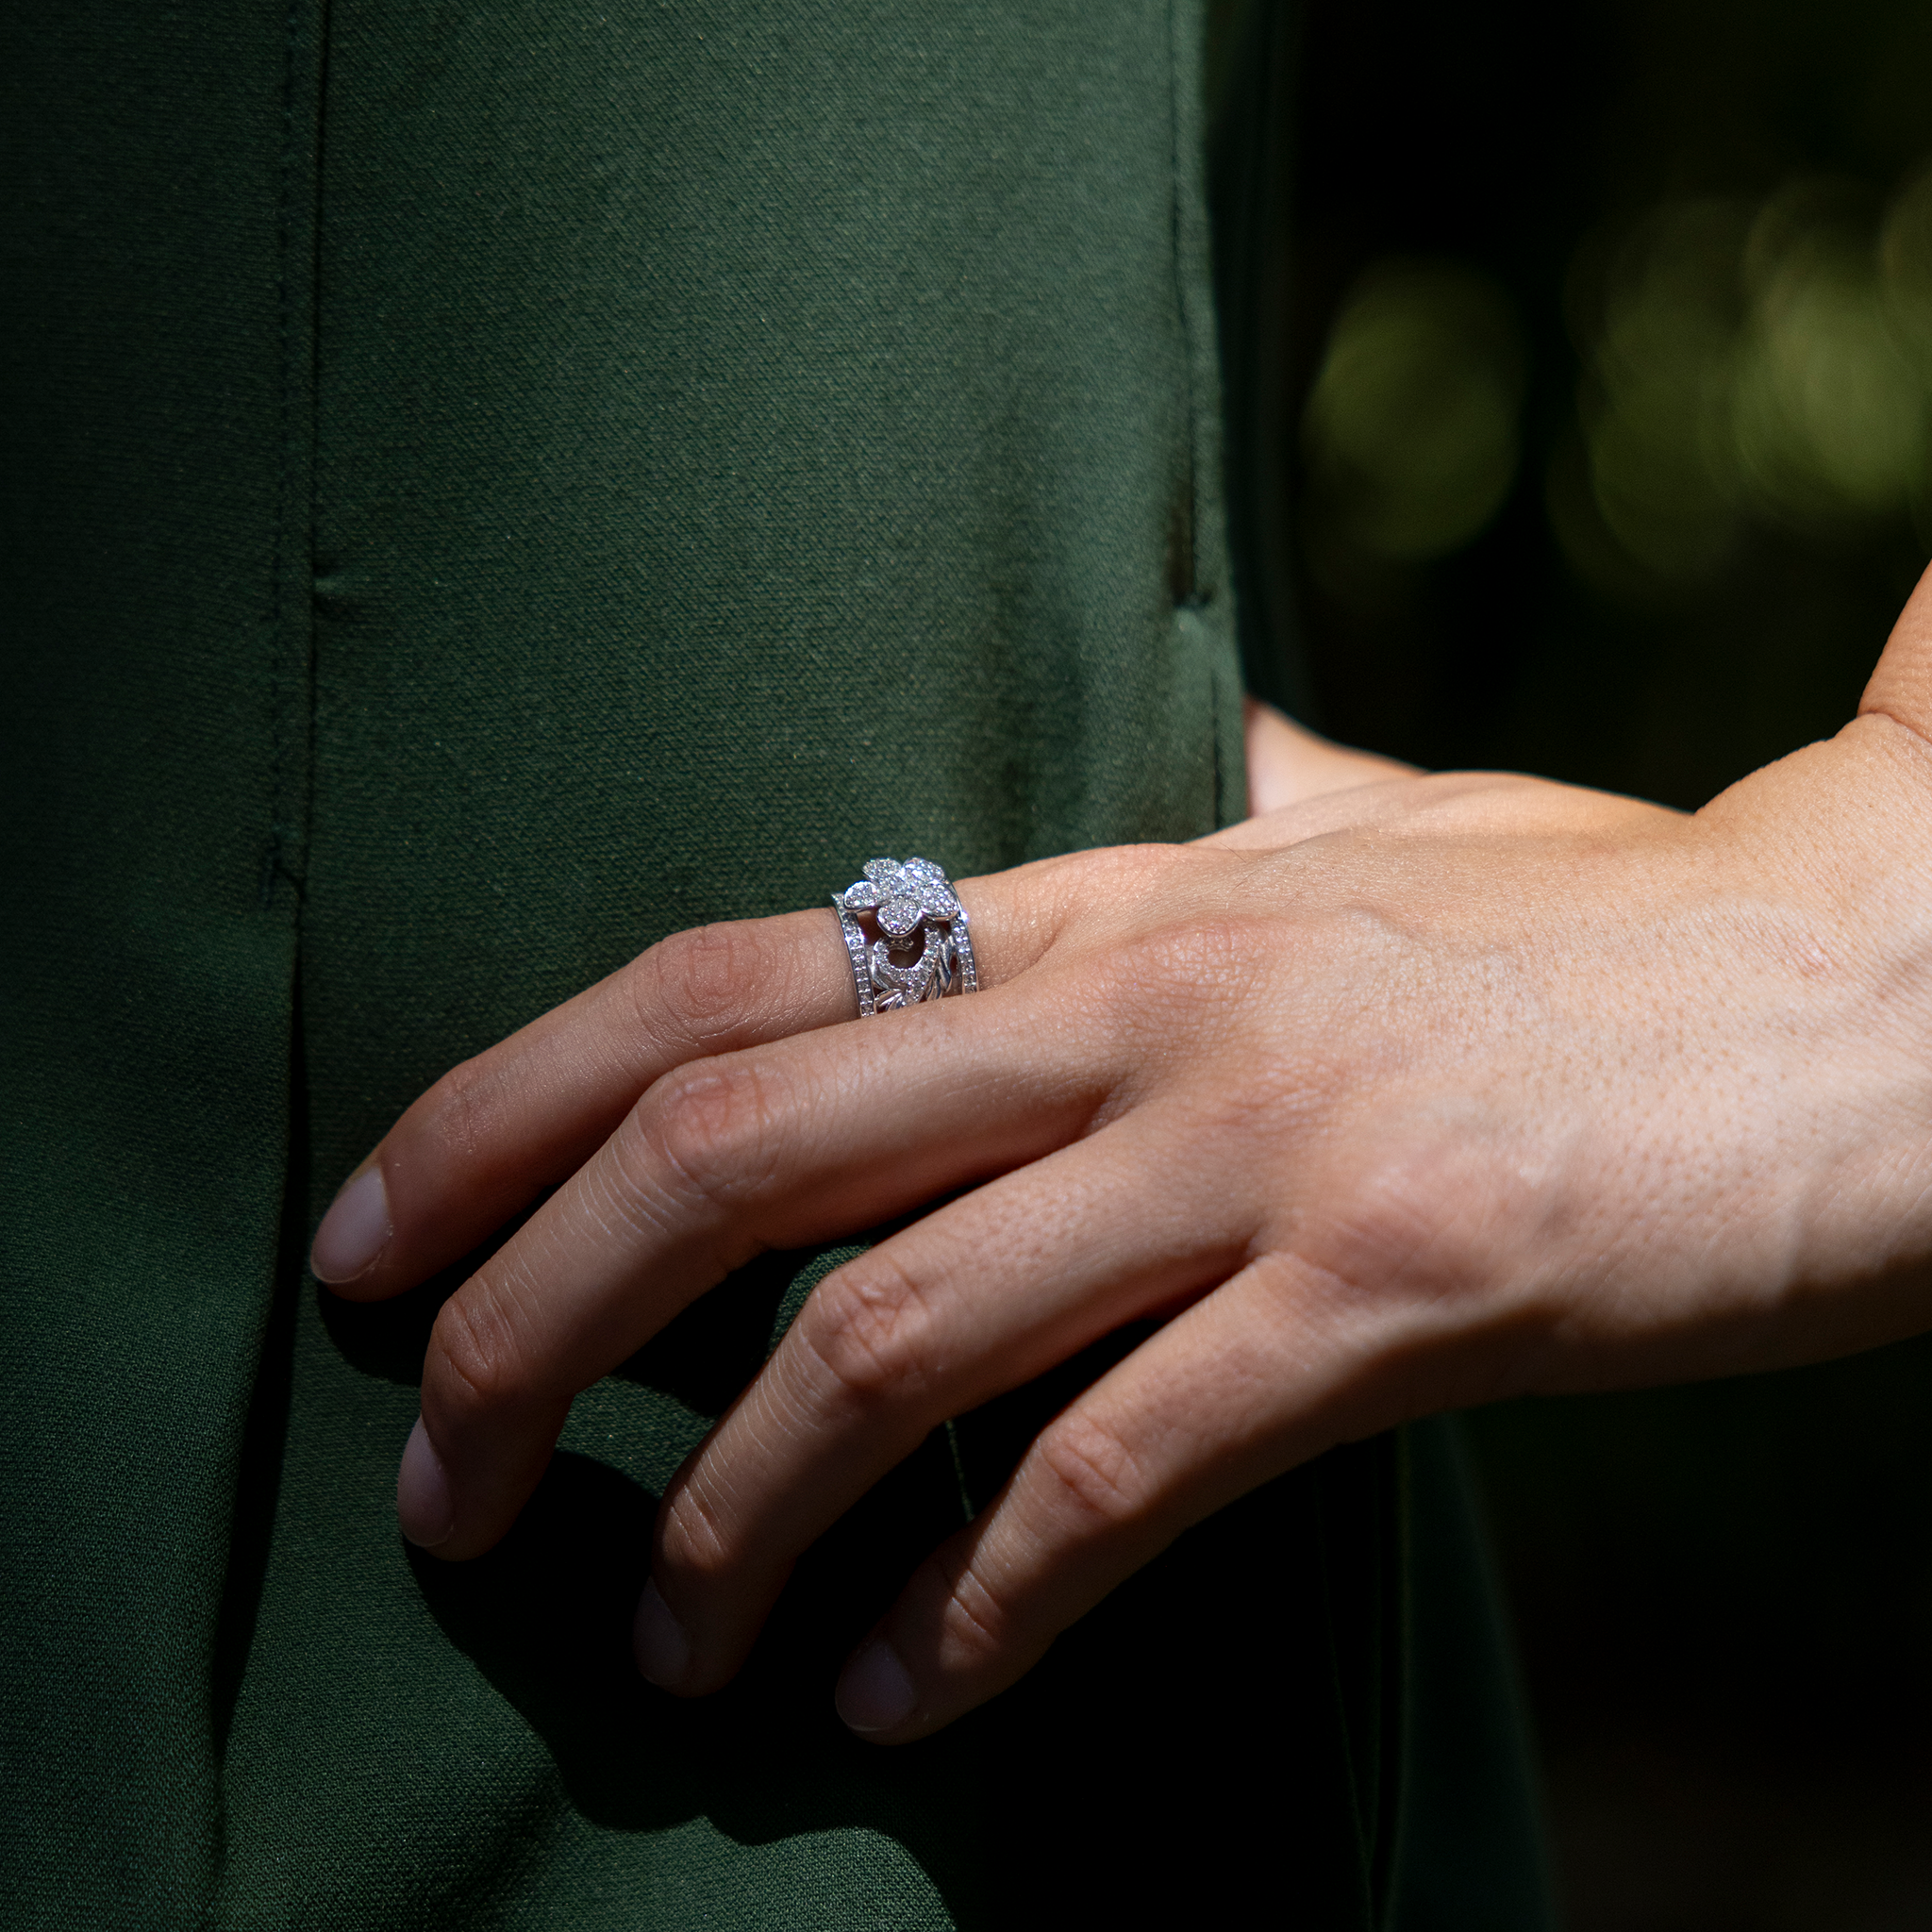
x=1217 y=1739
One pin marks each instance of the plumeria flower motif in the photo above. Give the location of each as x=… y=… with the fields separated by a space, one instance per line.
x=902 y=897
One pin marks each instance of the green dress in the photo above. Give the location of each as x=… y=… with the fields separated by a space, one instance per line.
x=487 y=487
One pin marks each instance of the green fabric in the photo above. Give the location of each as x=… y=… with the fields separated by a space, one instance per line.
x=1471 y=1849
x=489 y=488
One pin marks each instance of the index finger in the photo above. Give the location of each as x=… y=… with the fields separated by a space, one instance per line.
x=498 y=1130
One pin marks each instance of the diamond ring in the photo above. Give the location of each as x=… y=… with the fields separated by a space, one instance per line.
x=922 y=951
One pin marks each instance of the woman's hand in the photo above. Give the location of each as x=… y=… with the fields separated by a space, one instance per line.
x=1412 y=1094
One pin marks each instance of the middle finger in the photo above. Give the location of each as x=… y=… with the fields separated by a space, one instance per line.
x=776 y=1146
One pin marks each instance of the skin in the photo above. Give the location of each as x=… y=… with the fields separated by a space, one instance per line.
x=1410 y=1092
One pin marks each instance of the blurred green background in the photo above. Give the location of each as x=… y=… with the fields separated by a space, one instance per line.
x=1581 y=370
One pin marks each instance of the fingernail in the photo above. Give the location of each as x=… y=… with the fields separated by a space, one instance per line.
x=658 y=1638
x=876 y=1693
x=423 y=1509
x=355 y=1230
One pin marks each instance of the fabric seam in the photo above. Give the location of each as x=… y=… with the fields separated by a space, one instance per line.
x=1183 y=307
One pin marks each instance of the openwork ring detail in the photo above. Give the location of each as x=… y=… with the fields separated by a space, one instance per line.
x=921 y=948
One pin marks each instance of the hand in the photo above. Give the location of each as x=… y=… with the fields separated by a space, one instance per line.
x=1413 y=1094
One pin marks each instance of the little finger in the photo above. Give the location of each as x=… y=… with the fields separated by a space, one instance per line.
x=1247 y=1383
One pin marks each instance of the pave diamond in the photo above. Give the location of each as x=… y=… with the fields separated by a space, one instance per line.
x=912 y=903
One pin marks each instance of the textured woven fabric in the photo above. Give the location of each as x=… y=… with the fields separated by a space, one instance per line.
x=488 y=486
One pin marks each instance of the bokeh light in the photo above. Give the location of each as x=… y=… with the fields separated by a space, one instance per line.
x=1905 y=267
x=1747 y=365
x=1715 y=221
x=1412 y=428
x=1660 y=352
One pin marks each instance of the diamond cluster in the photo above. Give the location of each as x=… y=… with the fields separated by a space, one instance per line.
x=924 y=951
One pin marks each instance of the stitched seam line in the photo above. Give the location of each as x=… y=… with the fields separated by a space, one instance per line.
x=1178 y=180
x=273 y=867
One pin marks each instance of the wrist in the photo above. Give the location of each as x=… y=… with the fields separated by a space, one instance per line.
x=1842 y=833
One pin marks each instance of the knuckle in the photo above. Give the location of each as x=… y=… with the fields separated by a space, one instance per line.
x=475 y=1366
x=465 y=1112
x=1415 y=1218
x=1094 y=888
x=1177 y=983
x=1203 y=954
x=703 y=978
x=868 y=1326
x=1093 y=1473
x=978 y=1623
x=1082 y=893
x=710 y=1130
x=691 y=1536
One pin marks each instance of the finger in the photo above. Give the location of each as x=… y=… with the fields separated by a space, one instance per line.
x=1258 y=1376
x=977 y=1298
x=781 y=1145
x=493 y=1134
x=483 y=1142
